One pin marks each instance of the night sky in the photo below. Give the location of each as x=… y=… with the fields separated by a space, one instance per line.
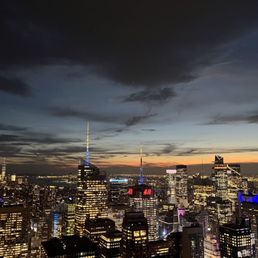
x=179 y=78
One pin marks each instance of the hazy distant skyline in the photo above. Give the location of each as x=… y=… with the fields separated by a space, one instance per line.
x=178 y=78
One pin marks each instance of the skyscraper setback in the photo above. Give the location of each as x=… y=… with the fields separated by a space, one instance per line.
x=91 y=201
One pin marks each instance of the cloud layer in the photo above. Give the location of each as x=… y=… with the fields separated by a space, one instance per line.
x=136 y=43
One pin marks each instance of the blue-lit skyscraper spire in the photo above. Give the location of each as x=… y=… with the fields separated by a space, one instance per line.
x=87 y=159
x=91 y=197
x=141 y=180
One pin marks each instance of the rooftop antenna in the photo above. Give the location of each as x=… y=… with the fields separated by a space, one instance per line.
x=141 y=180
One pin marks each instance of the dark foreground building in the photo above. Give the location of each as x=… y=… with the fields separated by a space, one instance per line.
x=135 y=235
x=94 y=228
x=236 y=240
x=70 y=246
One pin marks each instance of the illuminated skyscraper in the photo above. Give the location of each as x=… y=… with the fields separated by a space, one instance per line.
x=235 y=183
x=220 y=177
x=110 y=244
x=177 y=186
x=171 y=181
x=135 y=235
x=13 y=231
x=69 y=216
x=117 y=191
x=181 y=185
x=94 y=228
x=91 y=192
x=143 y=198
x=237 y=240
x=248 y=208
x=3 y=174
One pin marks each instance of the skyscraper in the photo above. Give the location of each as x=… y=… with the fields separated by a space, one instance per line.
x=117 y=191
x=220 y=177
x=143 y=198
x=13 y=231
x=91 y=192
x=237 y=240
x=3 y=174
x=181 y=185
x=94 y=228
x=235 y=183
x=69 y=216
x=177 y=186
x=192 y=242
x=134 y=235
x=110 y=244
x=171 y=181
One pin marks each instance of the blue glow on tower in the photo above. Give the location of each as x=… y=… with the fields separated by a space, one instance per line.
x=56 y=218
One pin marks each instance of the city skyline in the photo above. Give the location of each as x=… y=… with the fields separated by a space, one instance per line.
x=177 y=79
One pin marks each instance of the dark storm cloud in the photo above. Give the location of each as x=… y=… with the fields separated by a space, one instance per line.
x=68 y=150
x=248 y=119
x=138 y=119
x=150 y=96
x=4 y=127
x=169 y=148
x=14 y=86
x=85 y=115
x=7 y=150
x=146 y=43
x=8 y=138
x=100 y=117
x=34 y=138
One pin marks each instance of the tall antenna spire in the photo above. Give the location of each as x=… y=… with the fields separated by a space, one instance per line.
x=87 y=143
x=141 y=180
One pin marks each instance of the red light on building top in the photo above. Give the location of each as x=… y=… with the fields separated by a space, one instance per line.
x=147 y=191
x=130 y=191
